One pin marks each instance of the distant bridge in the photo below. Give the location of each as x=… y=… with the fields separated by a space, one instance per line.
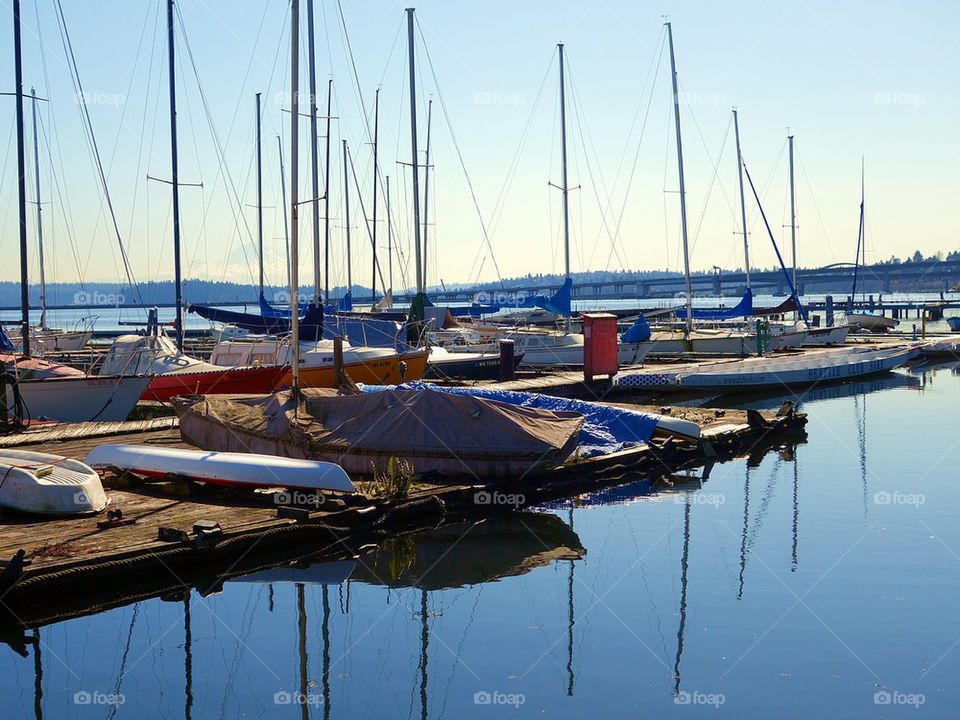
x=935 y=274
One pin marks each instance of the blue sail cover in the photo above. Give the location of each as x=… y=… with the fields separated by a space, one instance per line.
x=638 y=332
x=310 y=326
x=268 y=310
x=345 y=304
x=5 y=343
x=744 y=308
x=559 y=303
x=605 y=430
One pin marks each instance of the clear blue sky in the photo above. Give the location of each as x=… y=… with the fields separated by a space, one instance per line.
x=876 y=79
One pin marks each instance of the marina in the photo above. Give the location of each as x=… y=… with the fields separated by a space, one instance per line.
x=346 y=378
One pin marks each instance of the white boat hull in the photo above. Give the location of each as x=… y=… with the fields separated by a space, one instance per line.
x=800 y=370
x=703 y=341
x=80 y=399
x=836 y=335
x=44 y=341
x=43 y=484
x=223 y=468
x=627 y=354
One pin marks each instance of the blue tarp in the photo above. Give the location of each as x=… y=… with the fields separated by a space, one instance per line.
x=345 y=304
x=605 y=429
x=744 y=308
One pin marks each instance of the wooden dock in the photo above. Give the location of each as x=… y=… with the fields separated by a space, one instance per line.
x=78 y=566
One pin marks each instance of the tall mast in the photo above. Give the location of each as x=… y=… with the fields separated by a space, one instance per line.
x=413 y=149
x=683 y=196
x=326 y=202
x=563 y=161
x=174 y=178
x=743 y=201
x=793 y=217
x=389 y=237
x=294 y=190
x=426 y=191
x=283 y=204
x=259 y=197
x=314 y=162
x=376 y=170
x=346 y=209
x=36 y=166
x=21 y=185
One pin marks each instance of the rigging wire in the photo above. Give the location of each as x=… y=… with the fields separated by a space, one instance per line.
x=459 y=153
x=91 y=137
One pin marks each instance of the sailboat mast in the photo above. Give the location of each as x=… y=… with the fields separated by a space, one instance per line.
x=793 y=217
x=259 y=197
x=860 y=241
x=683 y=195
x=346 y=206
x=283 y=204
x=314 y=162
x=413 y=149
x=389 y=237
x=426 y=191
x=326 y=202
x=36 y=167
x=743 y=200
x=174 y=179
x=376 y=177
x=21 y=185
x=294 y=190
x=563 y=161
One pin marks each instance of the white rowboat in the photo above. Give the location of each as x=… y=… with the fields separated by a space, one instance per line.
x=44 y=484
x=223 y=468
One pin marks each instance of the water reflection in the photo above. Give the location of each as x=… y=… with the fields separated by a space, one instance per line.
x=696 y=597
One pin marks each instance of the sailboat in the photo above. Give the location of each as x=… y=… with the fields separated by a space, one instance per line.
x=864 y=321
x=63 y=397
x=721 y=341
x=549 y=347
x=45 y=339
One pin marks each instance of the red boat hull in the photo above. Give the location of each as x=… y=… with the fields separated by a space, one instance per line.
x=255 y=380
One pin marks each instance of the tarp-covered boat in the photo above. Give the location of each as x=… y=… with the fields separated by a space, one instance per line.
x=431 y=431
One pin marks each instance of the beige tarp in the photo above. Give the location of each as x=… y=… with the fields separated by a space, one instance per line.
x=433 y=431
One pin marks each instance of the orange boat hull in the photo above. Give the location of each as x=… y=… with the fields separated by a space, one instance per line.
x=386 y=371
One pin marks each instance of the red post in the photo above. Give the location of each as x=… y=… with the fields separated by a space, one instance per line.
x=599 y=345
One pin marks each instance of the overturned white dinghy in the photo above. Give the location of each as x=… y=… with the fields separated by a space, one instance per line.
x=230 y=469
x=805 y=369
x=43 y=484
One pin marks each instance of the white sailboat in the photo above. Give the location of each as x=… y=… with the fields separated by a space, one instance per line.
x=862 y=320
x=45 y=339
x=69 y=398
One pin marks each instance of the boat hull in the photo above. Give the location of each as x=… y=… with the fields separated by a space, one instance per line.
x=773 y=373
x=228 y=381
x=873 y=323
x=238 y=470
x=391 y=370
x=43 y=484
x=469 y=367
x=836 y=335
x=81 y=398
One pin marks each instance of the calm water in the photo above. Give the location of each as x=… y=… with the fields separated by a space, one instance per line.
x=818 y=579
